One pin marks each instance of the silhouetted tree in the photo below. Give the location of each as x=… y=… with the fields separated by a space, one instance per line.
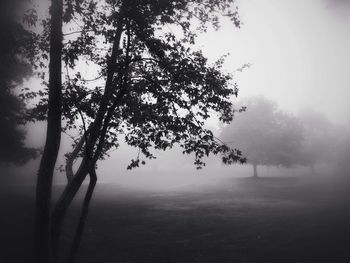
x=153 y=90
x=15 y=66
x=266 y=135
x=42 y=249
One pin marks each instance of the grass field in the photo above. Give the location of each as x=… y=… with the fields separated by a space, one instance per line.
x=237 y=220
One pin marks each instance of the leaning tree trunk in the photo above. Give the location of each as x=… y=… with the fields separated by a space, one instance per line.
x=87 y=164
x=42 y=245
x=255 y=175
x=83 y=216
x=63 y=203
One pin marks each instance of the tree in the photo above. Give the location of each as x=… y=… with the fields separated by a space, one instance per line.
x=153 y=89
x=322 y=139
x=17 y=55
x=343 y=157
x=14 y=68
x=42 y=246
x=265 y=134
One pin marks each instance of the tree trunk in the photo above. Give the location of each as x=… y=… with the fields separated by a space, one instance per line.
x=83 y=216
x=94 y=131
x=255 y=166
x=42 y=245
x=63 y=204
x=74 y=155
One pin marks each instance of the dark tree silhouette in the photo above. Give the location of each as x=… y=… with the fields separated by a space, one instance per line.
x=42 y=249
x=14 y=68
x=153 y=90
x=266 y=135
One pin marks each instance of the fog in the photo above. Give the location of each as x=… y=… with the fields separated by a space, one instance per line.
x=298 y=51
x=297 y=54
x=290 y=60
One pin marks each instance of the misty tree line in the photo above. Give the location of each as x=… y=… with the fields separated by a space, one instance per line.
x=269 y=136
x=152 y=89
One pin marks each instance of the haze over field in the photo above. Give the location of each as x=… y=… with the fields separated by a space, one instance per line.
x=295 y=53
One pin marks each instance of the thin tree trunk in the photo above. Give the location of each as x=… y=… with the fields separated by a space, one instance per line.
x=73 y=156
x=87 y=164
x=255 y=166
x=42 y=245
x=83 y=216
x=63 y=203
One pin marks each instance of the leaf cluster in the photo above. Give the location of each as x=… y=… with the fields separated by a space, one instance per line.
x=162 y=91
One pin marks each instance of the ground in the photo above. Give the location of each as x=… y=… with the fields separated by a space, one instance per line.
x=239 y=220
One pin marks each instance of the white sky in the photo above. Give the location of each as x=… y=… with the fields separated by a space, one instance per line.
x=300 y=56
x=299 y=51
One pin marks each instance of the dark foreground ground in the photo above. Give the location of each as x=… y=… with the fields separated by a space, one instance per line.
x=242 y=220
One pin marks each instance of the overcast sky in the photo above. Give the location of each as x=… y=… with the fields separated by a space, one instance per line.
x=299 y=51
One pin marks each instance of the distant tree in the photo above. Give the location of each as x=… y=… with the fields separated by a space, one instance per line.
x=343 y=157
x=153 y=89
x=266 y=135
x=321 y=138
x=15 y=60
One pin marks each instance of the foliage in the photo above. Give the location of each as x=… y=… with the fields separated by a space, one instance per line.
x=158 y=89
x=322 y=140
x=266 y=135
x=15 y=57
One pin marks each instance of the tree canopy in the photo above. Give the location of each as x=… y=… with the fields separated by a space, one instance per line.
x=322 y=138
x=15 y=57
x=265 y=134
x=152 y=86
